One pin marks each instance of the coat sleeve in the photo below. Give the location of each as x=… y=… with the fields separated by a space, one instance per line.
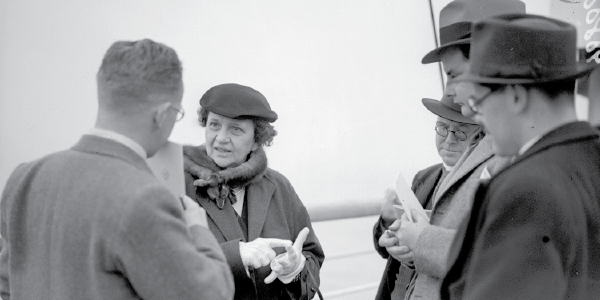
x=308 y=283
x=523 y=242
x=432 y=250
x=162 y=258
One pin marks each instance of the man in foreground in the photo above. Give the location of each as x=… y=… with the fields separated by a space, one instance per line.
x=92 y=222
x=534 y=227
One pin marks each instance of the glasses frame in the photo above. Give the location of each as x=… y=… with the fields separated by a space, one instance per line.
x=180 y=112
x=474 y=103
x=454 y=132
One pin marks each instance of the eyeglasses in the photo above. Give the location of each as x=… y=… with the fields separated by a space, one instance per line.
x=180 y=112
x=475 y=102
x=443 y=131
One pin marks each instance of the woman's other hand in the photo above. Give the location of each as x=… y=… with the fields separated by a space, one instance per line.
x=260 y=252
x=287 y=265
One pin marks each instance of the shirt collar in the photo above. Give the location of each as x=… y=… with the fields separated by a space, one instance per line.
x=529 y=144
x=119 y=138
x=447 y=167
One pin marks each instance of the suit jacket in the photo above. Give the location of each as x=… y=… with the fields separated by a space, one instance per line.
x=453 y=202
x=534 y=232
x=274 y=211
x=423 y=186
x=92 y=222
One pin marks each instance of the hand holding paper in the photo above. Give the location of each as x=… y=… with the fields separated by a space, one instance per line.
x=407 y=198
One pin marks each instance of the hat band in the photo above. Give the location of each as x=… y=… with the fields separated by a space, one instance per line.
x=533 y=71
x=455 y=32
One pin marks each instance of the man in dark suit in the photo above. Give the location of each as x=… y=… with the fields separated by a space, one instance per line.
x=534 y=228
x=454 y=134
x=92 y=222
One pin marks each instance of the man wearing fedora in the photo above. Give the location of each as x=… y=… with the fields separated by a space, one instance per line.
x=454 y=134
x=430 y=241
x=534 y=229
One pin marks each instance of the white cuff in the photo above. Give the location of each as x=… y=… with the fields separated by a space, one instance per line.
x=290 y=277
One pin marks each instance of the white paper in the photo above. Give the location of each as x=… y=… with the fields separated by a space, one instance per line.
x=407 y=197
x=167 y=166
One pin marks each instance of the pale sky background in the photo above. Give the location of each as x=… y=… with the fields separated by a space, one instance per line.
x=344 y=76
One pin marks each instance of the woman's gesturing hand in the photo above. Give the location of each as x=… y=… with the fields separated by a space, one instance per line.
x=287 y=265
x=260 y=252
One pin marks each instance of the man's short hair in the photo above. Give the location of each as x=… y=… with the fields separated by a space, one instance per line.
x=135 y=69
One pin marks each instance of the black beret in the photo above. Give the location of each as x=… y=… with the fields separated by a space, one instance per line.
x=235 y=101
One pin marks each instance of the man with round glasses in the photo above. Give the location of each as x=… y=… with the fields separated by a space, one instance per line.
x=454 y=134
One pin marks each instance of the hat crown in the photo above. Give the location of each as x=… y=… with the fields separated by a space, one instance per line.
x=234 y=101
x=447 y=109
x=523 y=48
x=459 y=11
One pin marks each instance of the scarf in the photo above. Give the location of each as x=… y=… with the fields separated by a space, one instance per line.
x=218 y=182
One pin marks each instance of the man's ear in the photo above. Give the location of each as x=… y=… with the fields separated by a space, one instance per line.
x=520 y=99
x=160 y=115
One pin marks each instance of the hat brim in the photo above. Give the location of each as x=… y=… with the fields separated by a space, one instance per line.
x=581 y=70
x=444 y=111
x=436 y=54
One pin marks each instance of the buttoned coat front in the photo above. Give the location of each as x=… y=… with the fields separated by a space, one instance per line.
x=93 y=222
x=274 y=211
x=534 y=232
x=453 y=202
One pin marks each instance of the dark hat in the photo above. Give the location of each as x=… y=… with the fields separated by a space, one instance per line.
x=457 y=16
x=446 y=108
x=235 y=101
x=521 y=48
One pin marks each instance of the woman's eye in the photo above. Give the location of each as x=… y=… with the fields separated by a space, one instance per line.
x=237 y=130
x=214 y=126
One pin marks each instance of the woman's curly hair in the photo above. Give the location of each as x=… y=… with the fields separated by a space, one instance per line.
x=264 y=132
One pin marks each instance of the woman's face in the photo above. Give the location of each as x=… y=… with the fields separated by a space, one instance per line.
x=229 y=141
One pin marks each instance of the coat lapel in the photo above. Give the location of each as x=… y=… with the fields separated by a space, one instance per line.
x=467 y=163
x=424 y=190
x=225 y=219
x=260 y=194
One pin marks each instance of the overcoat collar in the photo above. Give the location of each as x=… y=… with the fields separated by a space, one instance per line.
x=568 y=133
x=473 y=158
x=258 y=197
x=102 y=146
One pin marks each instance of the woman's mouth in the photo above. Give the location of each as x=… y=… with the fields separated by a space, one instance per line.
x=222 y=150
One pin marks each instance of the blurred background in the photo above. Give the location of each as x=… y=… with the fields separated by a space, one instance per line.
x=344 y=76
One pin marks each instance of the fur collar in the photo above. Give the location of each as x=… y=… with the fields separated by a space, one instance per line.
x=220 y=182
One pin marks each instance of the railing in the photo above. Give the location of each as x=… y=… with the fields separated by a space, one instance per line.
x=346 y=214
x=344 y=210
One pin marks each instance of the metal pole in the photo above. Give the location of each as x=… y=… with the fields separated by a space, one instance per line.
x=435 y=38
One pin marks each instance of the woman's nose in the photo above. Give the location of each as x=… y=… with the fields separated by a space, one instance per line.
x=222 y=136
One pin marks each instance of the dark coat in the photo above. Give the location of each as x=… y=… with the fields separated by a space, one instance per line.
x=274 y=211
x=423 y=185
x=93 y=222
x=534 y=231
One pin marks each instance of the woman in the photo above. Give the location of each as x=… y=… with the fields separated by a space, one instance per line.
x=252 y=210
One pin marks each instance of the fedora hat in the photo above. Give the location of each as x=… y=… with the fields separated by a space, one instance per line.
x=456 y=19
x=521 y=49
x=446 y=108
